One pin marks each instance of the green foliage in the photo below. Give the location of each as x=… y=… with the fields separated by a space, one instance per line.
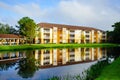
x=95 y=70
x=6 y=29
x=114 y=36
x=110 y=35
x=111 y=72
x=67 y=77
x=27 y=28
x=82 y=38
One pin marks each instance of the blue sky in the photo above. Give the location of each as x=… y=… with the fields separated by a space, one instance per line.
x=99 y=14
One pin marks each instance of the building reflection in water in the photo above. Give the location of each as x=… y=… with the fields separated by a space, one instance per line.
x=58 y=57
x=4 y=56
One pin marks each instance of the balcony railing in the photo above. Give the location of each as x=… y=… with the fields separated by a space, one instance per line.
x=46 y=55
x=46 y=31
x=71 y=53
x=72 y=38
x=72 y=33
x=87 y=33
x=46 y=37
x=87 y=38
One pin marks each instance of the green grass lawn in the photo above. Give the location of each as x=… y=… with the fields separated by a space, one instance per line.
x=42 y=46
x=111 y=72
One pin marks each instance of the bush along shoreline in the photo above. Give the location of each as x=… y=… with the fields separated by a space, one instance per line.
x=90 y=74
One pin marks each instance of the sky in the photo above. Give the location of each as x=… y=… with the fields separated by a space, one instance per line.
x=101 y=14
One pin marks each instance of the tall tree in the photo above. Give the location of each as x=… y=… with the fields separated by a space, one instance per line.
x=27 y=28
x=116 y=32
x=6 y=29
x=110 y=35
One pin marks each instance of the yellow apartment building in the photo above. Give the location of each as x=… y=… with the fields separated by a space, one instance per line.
x=59 y=33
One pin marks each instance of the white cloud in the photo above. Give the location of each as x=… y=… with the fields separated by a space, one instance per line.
x=32 y=9
x=94 y=13
x=29 y=9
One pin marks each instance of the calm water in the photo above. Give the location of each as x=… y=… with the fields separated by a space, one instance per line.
x=46 y=63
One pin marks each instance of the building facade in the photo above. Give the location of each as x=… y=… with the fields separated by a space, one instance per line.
x=59 y=33
x=10 y=39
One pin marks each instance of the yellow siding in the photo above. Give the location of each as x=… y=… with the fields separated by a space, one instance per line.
x=62 y=35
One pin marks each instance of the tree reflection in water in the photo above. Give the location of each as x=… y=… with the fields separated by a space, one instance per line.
x=27 y=66
x=6 y=66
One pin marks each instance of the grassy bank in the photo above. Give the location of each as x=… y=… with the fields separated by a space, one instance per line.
x=111 y=72
x=42 y=46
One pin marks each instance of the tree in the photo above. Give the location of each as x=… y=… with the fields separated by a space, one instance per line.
x=27 y=28
x=116 y=32
x=6 y=29
x=82 y=38
x=110 y=35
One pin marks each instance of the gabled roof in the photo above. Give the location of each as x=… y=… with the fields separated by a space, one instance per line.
x=9 y=36
x=71 y=27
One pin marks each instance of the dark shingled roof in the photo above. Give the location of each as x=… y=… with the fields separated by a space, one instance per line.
x=9 y=36
x=51 y=25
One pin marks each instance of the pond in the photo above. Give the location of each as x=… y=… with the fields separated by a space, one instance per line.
x=46 y=63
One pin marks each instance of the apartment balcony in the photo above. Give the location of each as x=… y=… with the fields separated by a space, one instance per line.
x=46 y=55
x=71 y=53
x=87 y=33
x=87 y=38
x=103 y=37
x=87 y=52
x=72 y=33
x=103 y=34
x=46 y=60
x=46 y=31
x=46 y=37
x=46 y=52
x=72 y=38
x=71 y=58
